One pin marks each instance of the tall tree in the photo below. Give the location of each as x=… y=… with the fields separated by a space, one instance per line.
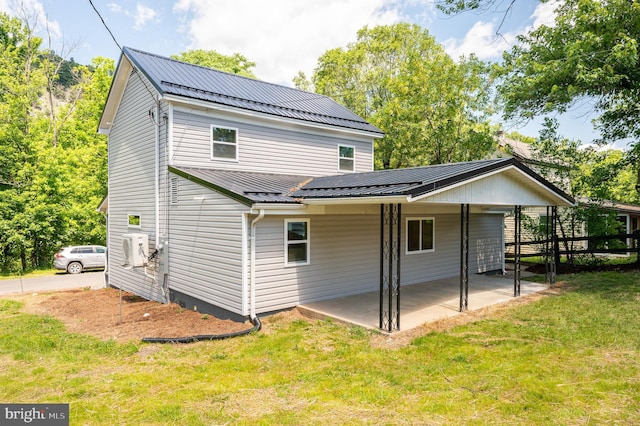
x=432 y=109
x=591 y=53
x=21 y=85
x=52 y=163
x=235 y=64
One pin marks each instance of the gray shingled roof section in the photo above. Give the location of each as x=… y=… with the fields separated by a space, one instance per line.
x=191 y=81
x=410 y=181
x=257 y=187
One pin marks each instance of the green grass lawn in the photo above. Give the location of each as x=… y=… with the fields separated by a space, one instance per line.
x=566 y=359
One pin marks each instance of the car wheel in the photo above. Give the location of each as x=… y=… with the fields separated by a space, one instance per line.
x=74 y=268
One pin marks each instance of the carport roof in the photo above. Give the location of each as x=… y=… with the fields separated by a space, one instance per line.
x=411 y=183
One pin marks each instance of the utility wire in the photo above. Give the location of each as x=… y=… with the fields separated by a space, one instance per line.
x=105 y=25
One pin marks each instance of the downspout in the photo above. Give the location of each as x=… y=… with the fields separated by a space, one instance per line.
x=257 y=325
x=157 y=172
x=252 y=273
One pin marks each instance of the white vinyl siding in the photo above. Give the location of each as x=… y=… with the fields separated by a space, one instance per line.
x=346 y=253
x=132 y=152
x=263 y=146
x=205 y=250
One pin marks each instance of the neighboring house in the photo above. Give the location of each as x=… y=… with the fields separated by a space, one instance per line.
x=242 y=197
x=626 y=214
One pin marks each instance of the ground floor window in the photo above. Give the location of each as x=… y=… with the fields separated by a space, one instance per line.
x=420 y=235
x=296 y=242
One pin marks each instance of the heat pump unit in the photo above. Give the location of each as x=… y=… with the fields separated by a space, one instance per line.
x=135 y=249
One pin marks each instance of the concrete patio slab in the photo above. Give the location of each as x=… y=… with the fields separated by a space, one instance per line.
x=422 y=303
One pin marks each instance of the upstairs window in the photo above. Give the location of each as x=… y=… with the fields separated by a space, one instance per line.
x=296 y=242
x=346 y=158
x=224 y=143
x=420 y=235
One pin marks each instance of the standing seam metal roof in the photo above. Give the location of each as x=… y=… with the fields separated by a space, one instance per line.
x=273 y=188
x=173 y=77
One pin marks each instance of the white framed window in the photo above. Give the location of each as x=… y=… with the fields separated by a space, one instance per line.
x=224 y=143
x=134 y=220
x=296 y=242
x=421 y=235
x=346 y=158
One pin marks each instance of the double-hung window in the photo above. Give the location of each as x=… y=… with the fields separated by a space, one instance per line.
x=420 y=235
x=224 y=143
x=296 y=241
x=346 y=158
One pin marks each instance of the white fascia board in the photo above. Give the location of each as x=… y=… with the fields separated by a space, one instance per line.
x=356 y=200
x=116 y=91
x=211 y=105
x=555 y=195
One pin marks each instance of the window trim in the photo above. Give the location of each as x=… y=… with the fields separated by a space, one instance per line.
x=287 y=263
x=433 y=235
x=353 y=159
x=212 y=142
x=133 y=215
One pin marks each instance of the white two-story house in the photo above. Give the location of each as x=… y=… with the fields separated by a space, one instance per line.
x=241 y=197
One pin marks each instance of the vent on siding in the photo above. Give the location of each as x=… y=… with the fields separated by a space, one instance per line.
x=174 y=190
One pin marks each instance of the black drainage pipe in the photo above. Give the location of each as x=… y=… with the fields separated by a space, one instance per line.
x=257 y=325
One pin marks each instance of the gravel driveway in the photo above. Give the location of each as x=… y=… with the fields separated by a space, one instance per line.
x=59 y=281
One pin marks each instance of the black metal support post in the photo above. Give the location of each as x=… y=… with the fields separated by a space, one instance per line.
x=554 y=246
x=547 y=234
x=517 y=252
x=464 y=257
x=390 y=244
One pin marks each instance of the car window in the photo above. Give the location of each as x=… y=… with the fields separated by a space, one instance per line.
x=75 y=250
x=100 y=250
x=86 y=250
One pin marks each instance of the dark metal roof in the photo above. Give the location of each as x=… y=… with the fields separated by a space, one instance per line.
x=173 y=77
x=249 y=187
x=246 y=187
x=412 y=182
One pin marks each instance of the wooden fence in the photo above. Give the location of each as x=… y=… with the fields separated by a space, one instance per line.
x=595 y=245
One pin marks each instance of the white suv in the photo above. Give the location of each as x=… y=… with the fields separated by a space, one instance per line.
x=76 y=259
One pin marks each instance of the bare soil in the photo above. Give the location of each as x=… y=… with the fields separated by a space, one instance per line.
x=106 y=315
x=109 y=314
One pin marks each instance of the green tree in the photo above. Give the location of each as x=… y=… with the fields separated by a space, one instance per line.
x=432 y=109
x=591 y=53
x=53 y=169
x=235 y=64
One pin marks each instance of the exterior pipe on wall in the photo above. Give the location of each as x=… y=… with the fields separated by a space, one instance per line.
x=252 y=274
x=157 y=172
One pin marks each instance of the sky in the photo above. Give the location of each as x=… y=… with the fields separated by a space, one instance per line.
x=282 y=37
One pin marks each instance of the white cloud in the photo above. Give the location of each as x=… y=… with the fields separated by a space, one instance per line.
x=545 y=14
x=141 y=16
x=281 y=36
x=115 y=8
x=481 y=40
x=35 y=14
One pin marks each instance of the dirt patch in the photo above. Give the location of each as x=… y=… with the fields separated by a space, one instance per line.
x=104 y=314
